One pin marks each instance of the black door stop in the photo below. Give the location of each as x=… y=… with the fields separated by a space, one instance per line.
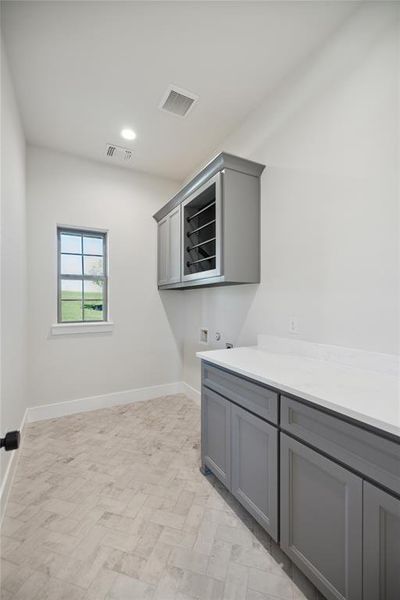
x=11 y=441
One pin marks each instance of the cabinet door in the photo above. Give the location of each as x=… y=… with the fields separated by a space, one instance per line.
x=162 y=250
x=202 y=231
x=174 y=245
x=216 y=435
x=321 y=520
x=255 y=467
x=381 y=545
x=169 y=248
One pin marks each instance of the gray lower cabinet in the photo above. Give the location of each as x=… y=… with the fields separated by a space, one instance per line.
x=381 y=545
x=216 y=435
x=321 y=520
x=308 y=477
x=255 y=467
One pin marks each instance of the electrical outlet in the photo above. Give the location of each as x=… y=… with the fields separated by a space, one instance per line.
x=203 y=336
x=293 y=325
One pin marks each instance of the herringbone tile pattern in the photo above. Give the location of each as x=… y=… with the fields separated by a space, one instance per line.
x=110 y=505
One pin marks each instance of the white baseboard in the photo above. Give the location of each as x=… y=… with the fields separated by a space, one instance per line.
x=10 y=472
x=191 y=392
x=70 y=407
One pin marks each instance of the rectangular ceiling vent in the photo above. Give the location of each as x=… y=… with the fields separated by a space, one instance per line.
x=178 y=101
x=118 y=153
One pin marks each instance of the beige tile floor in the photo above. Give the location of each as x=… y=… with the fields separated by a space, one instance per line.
x=110 y=505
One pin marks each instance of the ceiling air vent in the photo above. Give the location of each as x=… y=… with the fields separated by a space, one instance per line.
x=118 y=153
x=177 y=101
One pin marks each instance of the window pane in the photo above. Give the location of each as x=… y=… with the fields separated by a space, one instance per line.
x=71 y=243
x=82 y=255
x=71 y=265
x=93 y=265
x=93 y=245
x=93 y=301
x=71 y=289
x=71 y=310
x=93 y=290
x=93 y=311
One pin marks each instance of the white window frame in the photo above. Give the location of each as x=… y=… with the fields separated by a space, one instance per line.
x=88 y=326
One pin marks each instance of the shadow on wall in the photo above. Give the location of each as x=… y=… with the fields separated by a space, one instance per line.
x=338 y=57
x=224 y=310
x=173 y=304
x=221 y=309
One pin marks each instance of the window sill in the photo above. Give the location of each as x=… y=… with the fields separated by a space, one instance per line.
x=74 y=328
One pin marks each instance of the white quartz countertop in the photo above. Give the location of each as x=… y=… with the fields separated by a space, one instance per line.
x=366 y=395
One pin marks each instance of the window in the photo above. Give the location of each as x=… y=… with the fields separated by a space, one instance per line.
x=82 y=276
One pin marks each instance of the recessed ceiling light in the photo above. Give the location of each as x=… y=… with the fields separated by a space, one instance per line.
x=128 y=134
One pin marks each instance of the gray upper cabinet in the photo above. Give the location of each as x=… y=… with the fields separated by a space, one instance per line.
x=381 y=545
x=219 y=234
x=169 y=248
x=321 y=520
x=255 y=467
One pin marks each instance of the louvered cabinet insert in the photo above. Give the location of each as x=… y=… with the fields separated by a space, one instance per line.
x=201 y=226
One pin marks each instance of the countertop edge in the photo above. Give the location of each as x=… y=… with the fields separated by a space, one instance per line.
x=356 y=417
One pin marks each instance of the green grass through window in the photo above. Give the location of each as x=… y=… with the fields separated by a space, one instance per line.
x=71 y=307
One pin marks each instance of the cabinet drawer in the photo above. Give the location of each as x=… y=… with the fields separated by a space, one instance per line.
x=256 y=398
x=362 y=450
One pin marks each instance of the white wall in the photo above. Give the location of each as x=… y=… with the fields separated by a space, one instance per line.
x=330 y=221
x=328 y=136
x=145 y=347
x=13 y=269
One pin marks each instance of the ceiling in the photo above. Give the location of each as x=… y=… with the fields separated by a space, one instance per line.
x=84 y=70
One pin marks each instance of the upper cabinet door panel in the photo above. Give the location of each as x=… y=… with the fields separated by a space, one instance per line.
x=201 y=232
x=381 y=545
x=169 y=248
x=162 y=251
x=174 y=246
